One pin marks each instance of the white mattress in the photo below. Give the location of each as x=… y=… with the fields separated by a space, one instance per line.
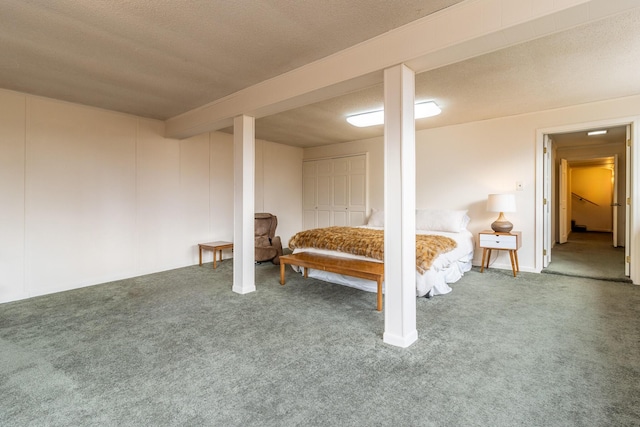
x=446 y=268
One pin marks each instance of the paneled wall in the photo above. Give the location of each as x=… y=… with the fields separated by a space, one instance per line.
x=279 y=183
x=89 y=196
x=12 y=195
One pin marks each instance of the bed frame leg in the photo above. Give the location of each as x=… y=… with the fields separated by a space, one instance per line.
x=379 y=294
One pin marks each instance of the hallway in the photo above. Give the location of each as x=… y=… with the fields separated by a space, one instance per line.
x=588 y=254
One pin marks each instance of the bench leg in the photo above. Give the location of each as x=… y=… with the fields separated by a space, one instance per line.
x=379 y=293
x=282 y=273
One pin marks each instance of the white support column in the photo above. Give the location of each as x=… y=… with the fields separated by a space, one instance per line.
x=399 y=207
x=244 y=280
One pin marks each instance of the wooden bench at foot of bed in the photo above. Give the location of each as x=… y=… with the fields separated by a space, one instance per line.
x=349 y=267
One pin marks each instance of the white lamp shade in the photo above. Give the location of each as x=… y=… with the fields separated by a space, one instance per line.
x=501 y=203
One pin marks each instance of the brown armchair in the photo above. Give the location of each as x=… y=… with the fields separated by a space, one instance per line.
x=268 y=245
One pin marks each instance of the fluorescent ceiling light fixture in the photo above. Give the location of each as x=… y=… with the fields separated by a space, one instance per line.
x=372 y=118
x=597 y=132
x=427 y=109
x=363 y=120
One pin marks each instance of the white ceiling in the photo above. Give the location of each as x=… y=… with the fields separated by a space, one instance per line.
x=585 y=64
x=161 y=58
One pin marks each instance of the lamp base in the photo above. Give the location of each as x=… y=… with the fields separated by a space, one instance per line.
x=501 y=226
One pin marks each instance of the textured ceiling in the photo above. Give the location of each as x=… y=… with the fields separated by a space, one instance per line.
x=585 y=64
x=160 y=58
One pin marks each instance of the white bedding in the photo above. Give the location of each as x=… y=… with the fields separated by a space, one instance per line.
x=446 y=268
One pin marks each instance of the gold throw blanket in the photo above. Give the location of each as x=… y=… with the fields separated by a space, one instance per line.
x=370 y=243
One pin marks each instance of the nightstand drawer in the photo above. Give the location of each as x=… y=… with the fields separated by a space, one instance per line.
x=498 y=241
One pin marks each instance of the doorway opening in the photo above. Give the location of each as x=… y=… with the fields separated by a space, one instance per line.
x=588 y=225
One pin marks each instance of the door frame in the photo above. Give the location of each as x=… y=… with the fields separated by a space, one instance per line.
x=563 y=201
x=543 y=214
x=614 y=205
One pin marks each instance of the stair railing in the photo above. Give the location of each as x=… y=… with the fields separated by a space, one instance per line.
x=583 y=199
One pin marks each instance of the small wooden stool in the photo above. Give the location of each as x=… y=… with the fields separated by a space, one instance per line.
x=215 y=247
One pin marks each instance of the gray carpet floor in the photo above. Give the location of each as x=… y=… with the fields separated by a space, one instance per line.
x=588 y=254
x=180 y=348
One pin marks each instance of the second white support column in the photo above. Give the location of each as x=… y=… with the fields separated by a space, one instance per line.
x=399 y=207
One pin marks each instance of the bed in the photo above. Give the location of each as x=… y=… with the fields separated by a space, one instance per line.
x=448 y=265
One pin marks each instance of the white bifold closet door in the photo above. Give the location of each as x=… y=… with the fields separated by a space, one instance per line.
x=334 y=191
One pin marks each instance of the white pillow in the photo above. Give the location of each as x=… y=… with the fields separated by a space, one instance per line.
x=453 y=221
x=376 y=219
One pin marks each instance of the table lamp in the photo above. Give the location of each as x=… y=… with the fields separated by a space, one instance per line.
x=501 y=203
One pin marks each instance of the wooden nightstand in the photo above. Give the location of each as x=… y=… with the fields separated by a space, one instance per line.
x=490 y=240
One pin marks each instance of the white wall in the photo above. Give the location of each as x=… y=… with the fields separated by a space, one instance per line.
x=80 y=196
x=12 y=195
x=89 y=196
x=458 y=166
x=279 y=186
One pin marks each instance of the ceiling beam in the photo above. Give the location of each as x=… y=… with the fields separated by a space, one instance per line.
x=463 y=31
